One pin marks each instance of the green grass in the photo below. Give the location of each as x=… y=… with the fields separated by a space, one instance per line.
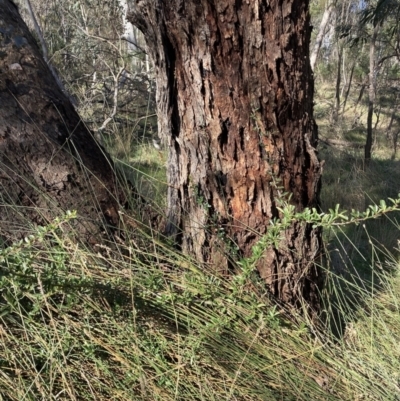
x=134 y=319
x=138 y=320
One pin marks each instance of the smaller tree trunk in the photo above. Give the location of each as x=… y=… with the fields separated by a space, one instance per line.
x=392 y=117
x=389 y=134
x=338 y=82
x=129 y=35
x=346 y=96
x=360 y=96
x=371 y=95
x=395 y=144
x=321 y=34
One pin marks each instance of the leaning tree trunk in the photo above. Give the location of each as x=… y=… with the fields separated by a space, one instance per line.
x=321 y=32
x=235 y=95
x=49 y=161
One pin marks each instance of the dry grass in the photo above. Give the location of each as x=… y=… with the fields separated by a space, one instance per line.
x=138 y=320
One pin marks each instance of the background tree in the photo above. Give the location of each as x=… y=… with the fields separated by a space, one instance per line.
x=107 y=78
x=387 y=44
x=234 y=99
x=371 y=91
x=321 y=32
x=366 y=39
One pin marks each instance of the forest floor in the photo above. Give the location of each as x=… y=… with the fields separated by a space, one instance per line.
x=137 y=320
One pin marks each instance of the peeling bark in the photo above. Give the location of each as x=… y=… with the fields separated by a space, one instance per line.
x=49 y=161
x=234 y=96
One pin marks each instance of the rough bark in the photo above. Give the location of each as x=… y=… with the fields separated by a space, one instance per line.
x=49 y=161
x=234 y=95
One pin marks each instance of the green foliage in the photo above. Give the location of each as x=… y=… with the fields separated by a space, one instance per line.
x=139 y=321
x=154 y=325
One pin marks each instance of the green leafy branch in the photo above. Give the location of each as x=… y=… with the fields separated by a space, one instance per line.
x=337 y=217
x=17 y=261
x=333 y=218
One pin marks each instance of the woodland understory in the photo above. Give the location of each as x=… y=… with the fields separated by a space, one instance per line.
x=132 y=270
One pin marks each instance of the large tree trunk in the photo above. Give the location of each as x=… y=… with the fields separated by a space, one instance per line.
x=49 y=160
x=234 y=97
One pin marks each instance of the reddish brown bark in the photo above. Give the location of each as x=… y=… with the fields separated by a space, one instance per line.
x=49 y=160
x=234 y=97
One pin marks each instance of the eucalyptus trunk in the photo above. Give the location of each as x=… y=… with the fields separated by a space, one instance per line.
x=235 y=109
x=49 y=160
x=321 y=32
x=371 y=94
x=335 y=115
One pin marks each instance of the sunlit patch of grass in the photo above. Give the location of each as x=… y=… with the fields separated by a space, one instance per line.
x=149 y=180
x=146 y=171
x=140 y=163
x=355 y=135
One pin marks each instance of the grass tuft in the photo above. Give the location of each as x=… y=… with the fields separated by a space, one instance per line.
x=141 y=321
